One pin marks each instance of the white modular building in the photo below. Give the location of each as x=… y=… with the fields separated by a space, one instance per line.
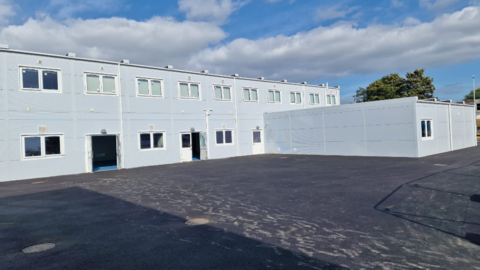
x=64 y=115
x=405 y=127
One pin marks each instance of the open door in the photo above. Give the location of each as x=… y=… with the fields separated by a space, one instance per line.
x=119 y=152
x=257 y=142
x=89 y=158
x=185 y=147
x=203 y=146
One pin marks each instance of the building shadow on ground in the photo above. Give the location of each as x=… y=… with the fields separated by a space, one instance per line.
x=95 y=231
x=447 y=201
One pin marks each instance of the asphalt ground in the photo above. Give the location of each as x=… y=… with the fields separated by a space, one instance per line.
x=265 y=212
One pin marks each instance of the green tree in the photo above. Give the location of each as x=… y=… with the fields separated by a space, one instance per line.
x=470 y=95
x=393 y=86
x=388 y=87
x=418 y=85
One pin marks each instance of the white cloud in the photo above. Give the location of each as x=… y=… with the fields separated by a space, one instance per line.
x=398 y=4
x=158 y=41
x=68 y=8
x=342 y=50
x=411 y=21
x=334 y=12
x=216 y=11
x=6 y=10
x=436 y=4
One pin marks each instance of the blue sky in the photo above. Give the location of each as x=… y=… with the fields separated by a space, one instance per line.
x=348 y=43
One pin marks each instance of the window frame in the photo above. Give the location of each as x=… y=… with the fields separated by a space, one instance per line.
x=222 y=86
x=40 y=79
x=274 y=102
x=101 y=75
x=224 y=143
x=190 y=90
x=149 y=79
x=43 y=155
x=313 y=93
x=151 y=140
x=250 y=94
x=296 y=103
x=432 y=136
x=329 y=96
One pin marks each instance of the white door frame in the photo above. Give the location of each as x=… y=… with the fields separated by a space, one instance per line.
x=89 y=150
x=182 y=159
x=262 y=143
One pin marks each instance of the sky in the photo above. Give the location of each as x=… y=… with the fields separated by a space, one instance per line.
x=345 y=42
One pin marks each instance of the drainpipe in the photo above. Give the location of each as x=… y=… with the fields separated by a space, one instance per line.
x=122 y=149
x=207 y=113
x=236 y=114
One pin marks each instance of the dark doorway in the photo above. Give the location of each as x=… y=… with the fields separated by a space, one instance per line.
x=104 y=150
x=196 y=146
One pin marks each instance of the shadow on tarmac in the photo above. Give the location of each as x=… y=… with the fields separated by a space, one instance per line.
x=95 y=231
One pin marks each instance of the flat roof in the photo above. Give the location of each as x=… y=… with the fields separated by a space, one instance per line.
x=159 y=68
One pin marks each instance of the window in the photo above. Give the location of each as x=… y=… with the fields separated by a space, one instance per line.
x=274 y=96
x=257 y=137
x=295 y=98
x=224 y=137
x=100 y=84
x=44 y=80
x=427 y=129
x=331 y=100
x=314 y=99
x=222 y=92
x=42 y=146
x=149 y=87
x=250 y=95
x=189 y=90
x=152 y=140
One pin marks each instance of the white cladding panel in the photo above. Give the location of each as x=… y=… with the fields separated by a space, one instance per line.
x=76 y=114
x=381 y=128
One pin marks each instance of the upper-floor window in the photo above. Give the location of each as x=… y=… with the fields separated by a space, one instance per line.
x=101 y=84
x=250 y=94
x=189 y=90
x=314 y=99
x=151 y=140
x=427 y=129
x=222 y=92
x=274 y=96
x=42 y=146
x=295 y=97
x=40 y=79
x=224 y=137
x=149 y=87
x=331 y=100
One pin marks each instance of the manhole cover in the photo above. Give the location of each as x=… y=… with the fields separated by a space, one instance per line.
x=197 y=221
x=38 y=248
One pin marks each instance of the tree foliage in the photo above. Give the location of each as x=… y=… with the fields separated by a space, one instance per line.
x=470 y=95
x=394 y=86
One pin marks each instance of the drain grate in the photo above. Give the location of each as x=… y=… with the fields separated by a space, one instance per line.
x=38 y=248
x=197 y=221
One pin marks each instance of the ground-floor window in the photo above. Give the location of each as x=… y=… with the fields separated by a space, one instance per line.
x=224 y=137
x=40 y=146
x=152 y=140
x=427 y=129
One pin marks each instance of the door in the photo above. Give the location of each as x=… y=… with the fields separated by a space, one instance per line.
x=185 y=147
x=257 y=142
x=203 y=146
x=89 y=157
x=119 y=152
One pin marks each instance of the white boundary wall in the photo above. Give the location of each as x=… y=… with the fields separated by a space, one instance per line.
x=389 y=128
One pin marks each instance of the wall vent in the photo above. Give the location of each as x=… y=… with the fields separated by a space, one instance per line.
x=151 y=127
